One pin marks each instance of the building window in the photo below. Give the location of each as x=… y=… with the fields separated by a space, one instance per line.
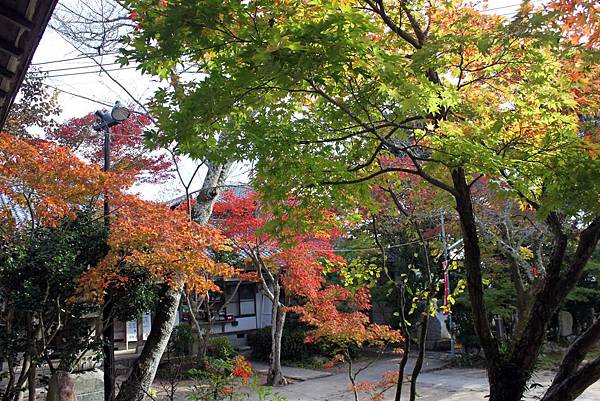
x=242 y=303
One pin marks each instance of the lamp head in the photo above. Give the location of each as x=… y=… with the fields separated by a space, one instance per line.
x=119 y=112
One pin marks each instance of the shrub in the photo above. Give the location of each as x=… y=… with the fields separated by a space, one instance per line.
x=293 y=346
x=181 y=341
x=220 y=348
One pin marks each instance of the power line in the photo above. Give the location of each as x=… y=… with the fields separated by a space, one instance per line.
x=377 y=248
x=502 y=7
x=91 y=72
x=75 y=58
x=91 y=100
x=78 y=95
x=74 y=68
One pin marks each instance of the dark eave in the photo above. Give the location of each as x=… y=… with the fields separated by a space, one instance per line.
x=22 y=24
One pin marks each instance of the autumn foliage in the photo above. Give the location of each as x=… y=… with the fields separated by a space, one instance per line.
x=47 y=181
x=128 y=154
x=337 y=314
x=171 y=249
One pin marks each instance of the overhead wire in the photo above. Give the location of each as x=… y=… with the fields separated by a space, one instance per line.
x=78 y=95
x=88 y=99
x=79 y=67
x=100 y=71
x=74 y=58
x=501 y=7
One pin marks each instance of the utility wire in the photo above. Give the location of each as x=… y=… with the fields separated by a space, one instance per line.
x=78 y=95
x=91 y=72
x=74 y=58
x=90 y=100
x=501 y=7
x=73 y=68
x=377 y=248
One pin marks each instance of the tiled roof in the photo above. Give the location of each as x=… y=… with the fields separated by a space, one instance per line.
x=239 y=189
x=17 y=212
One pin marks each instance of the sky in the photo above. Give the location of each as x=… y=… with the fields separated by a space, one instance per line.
x=78 y=79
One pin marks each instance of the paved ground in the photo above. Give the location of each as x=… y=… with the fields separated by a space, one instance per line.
x=435 y=383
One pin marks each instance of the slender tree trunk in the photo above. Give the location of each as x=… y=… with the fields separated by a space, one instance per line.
x=33 y=337
x=401 y=367
x=32 y=383
x=275 y=376
x=108 y=349
x=139 y=334
x=406 y=334
x=142 y=374
x=198 y=336
x=18 y=389
x=571 y=387
x=206 y=335
x=420 y=356
x=61 y=387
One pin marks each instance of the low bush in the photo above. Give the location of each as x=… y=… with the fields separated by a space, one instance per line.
x=293 y=345
x=180 y=343
x=220 y=348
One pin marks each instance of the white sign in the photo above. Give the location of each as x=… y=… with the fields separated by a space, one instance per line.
x=132 y=330
x=147 y=324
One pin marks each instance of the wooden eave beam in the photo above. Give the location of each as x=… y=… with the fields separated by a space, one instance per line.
x=16 y=18
x=6 y=73
x=10 y=49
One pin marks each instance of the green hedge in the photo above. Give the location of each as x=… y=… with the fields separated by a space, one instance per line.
x=293 y=347
x=220 y=348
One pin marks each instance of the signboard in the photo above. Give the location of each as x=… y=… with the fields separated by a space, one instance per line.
x=132 y=330
x=147 y=322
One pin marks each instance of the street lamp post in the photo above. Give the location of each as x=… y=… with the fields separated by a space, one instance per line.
x=104 y=122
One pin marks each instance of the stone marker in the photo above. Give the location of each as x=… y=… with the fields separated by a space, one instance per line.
x=565 y=323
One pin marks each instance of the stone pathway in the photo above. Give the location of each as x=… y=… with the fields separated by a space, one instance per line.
x=435 y=383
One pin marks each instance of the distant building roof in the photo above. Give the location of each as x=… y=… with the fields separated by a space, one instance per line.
x=239 y=189
x=22 y=24
x=17 y=212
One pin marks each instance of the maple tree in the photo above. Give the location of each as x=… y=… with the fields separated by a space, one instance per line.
x=47 y=215
x=35 y=106
x=141 y=376
x=298 y=268
x=128 y=154
x=319 y=94
x=44 y=193
x=163 y=242
x=281 y=269
x=148 y=237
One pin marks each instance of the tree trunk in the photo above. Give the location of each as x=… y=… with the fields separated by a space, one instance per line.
x=108 y=349
x=32 y=383
x=401 y=367
x=198 y=336
x=507 y=383
x=570 y=380
x=61 y=387
x=139 y=328
x=508 y=373
x=571 y=387
x=207 y=331
x=142 y=374
x=407 y=342
x=275 y=376
x=420 y=355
